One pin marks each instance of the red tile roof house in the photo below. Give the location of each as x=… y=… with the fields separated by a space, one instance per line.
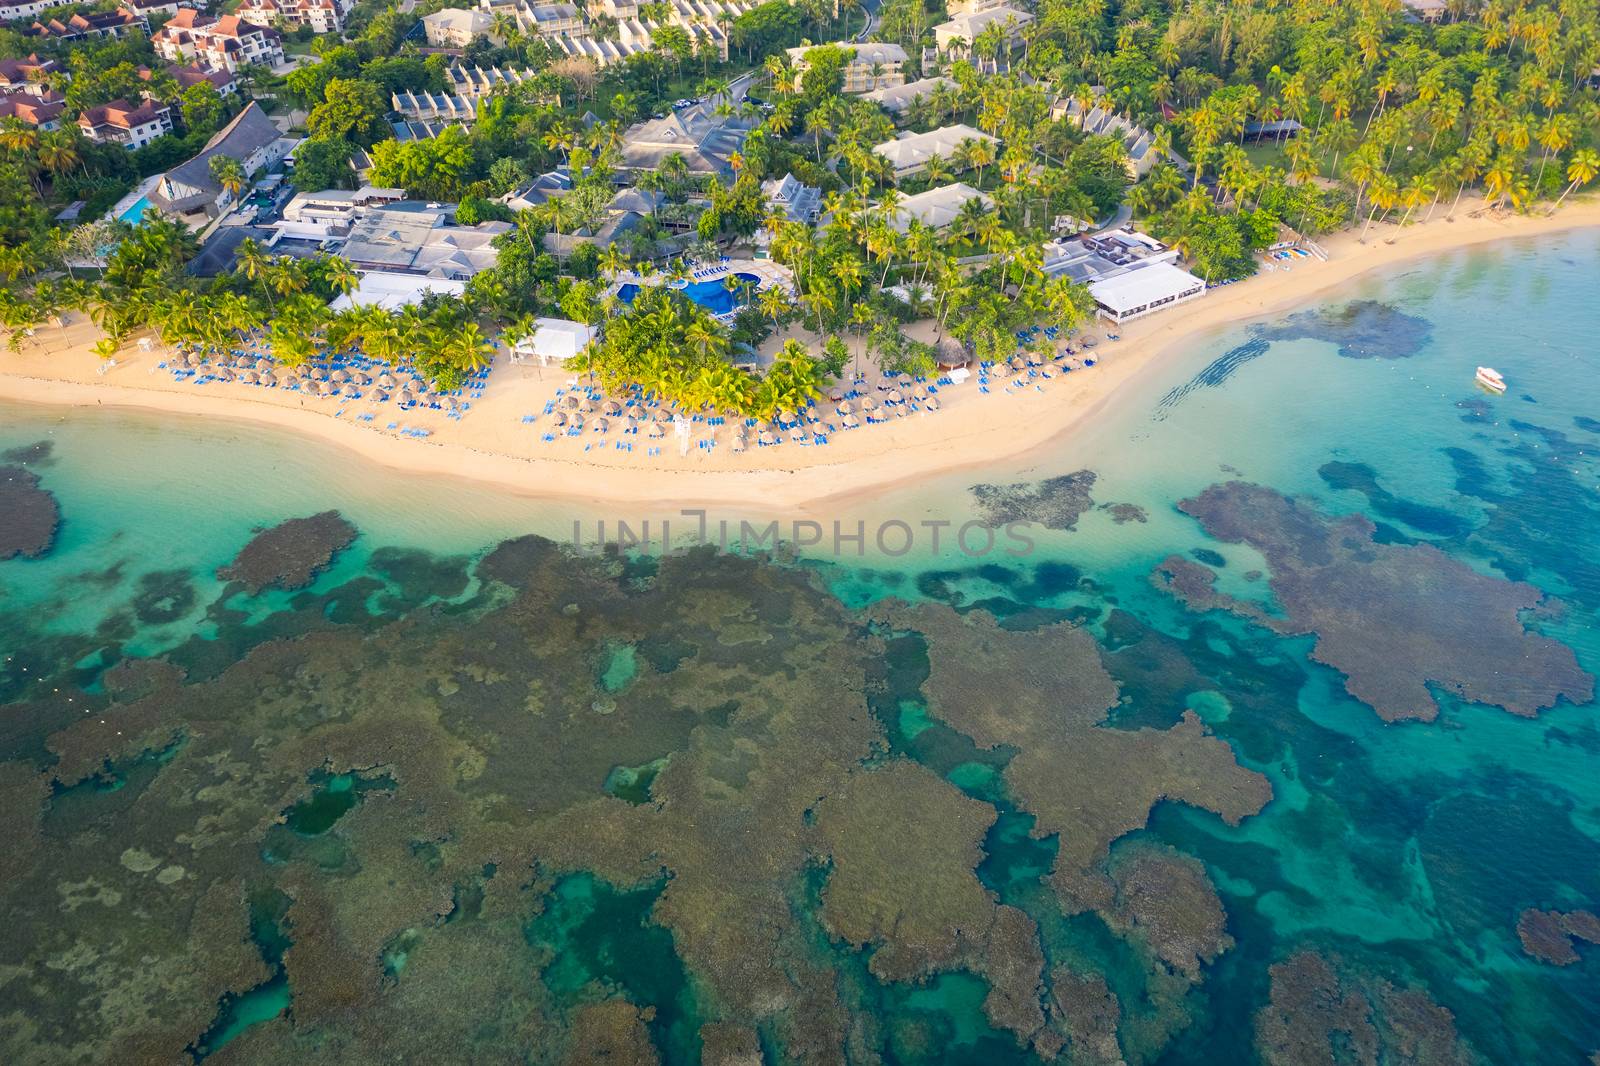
x=323 y=16
x=83 y=27
x=131 y=127
x=42 y=111
x=19 y=75
x=226 y=43
x=194 y=74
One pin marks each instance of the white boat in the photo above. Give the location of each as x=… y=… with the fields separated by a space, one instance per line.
x=1490 y=378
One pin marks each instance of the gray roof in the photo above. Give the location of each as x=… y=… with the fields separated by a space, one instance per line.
x=705 y=141
x=249 y=132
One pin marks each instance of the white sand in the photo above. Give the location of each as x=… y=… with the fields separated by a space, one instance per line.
x=491 y=444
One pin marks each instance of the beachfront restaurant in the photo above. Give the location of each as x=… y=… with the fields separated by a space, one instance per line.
x=1153 y=286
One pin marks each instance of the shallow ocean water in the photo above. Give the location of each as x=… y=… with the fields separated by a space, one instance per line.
x=541 y=807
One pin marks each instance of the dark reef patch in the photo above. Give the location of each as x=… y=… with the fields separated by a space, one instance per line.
x=290 y=554
x=1358 y=477
x=39 y=453
x=1363 y=329
x=1054 y=503
x=1123 y=513
x=29 y=515
x=1393 y=619
x=163 y=596
x=1549 y=935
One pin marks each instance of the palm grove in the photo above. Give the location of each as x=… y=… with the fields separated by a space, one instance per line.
x=1400 y=120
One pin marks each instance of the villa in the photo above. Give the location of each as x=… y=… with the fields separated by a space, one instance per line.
x=1100 y=121
x=705 y=141
x=192 y=74
x=41 y=109
x=872 y=65
x=20 y=74
x=937 y=208
x=792 y=198
x=456 y=28
x=435 y=107
x=226 y=43
x=189 y=189
x=475 y=82
x=84 y=27
x=909 y=153
x=897 y=99
x=121 y=123
x=323 y=16
x=538 y=192
x=956 y=38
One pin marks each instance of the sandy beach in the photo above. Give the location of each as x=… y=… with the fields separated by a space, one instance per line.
x=493 y=444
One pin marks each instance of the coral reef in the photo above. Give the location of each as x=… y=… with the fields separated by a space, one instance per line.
x=290 y=554
x=1394 y=619
x=1549 y=935
x=1054 y=502
x=29 y=515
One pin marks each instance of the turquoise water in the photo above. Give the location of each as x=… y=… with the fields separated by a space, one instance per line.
x=451 y=796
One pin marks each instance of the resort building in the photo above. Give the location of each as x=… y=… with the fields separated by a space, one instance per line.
x=41 y=108
x=456 y=28
x=435 y=107
x=17 y=75
x=379 y=288
x=706 y=141
x=226 y=43
x=16 y=10
x=556 y=340
x=792 y=198
x=412 y=238
x=539 y=191
x=957 y=8
x=871 y=65
x=157 y=7
x=1102 y=122
x=538 y=19
x=937 y=208
x=897 y=99
x=955 y=39
x=416 y=129
x=189 y=189
x=1128 y=273
x=121 y=123
x=323 y=16
x=1137 y=293
x=331 y=212
x=1426 y=10
x=477 y=82
x=87 y=27
x=624 y=214
x=909 y=153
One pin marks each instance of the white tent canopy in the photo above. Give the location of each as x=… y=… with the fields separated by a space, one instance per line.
x=395 y=290
x=556 y=340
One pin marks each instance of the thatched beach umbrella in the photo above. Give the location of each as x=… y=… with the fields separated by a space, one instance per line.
x=868 y=403
x=339 y=376
x=657 y=430
x=250 y=377
x=386 y=379
x=269 y=379
x=786 y=418
x=599 y=425
x=362 y=379
x=1016 y=363
x=796 y=433
x=352 y=392
x=575 y=421
x=244 y=362
x=630 y=425
x=559 y=418
x=851 y=421
x=933 y=403
x=611 y=407
x=737 y=444
x=812 y=416
x=634 y=411
x=586 y=405
x=1048 y=372
x=569 y=401
x=766 y=437
x=904 y=381
x=378 y=396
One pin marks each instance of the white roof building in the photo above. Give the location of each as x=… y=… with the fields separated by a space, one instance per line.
x=556 y=339
x=937 y=208
x=909 y=152
x=1149 y=288
x=394 y=291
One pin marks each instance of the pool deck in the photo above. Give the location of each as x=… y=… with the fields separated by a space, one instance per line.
x=766 y=273
x=140 y=192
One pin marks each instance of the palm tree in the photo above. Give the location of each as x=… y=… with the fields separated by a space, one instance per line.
x=1581 y=171
x=228 y=173
x=340 y=276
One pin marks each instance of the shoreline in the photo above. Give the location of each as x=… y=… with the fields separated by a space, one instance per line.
x=491 y=446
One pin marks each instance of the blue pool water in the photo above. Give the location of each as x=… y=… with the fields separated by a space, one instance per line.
x=135 y=214
x=708 y=294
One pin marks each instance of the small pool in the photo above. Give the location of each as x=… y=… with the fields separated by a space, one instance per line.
x=135 y=214
x=712 y=295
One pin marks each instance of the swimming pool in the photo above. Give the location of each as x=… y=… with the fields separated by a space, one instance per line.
x=711 y=295
x=133 y=215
